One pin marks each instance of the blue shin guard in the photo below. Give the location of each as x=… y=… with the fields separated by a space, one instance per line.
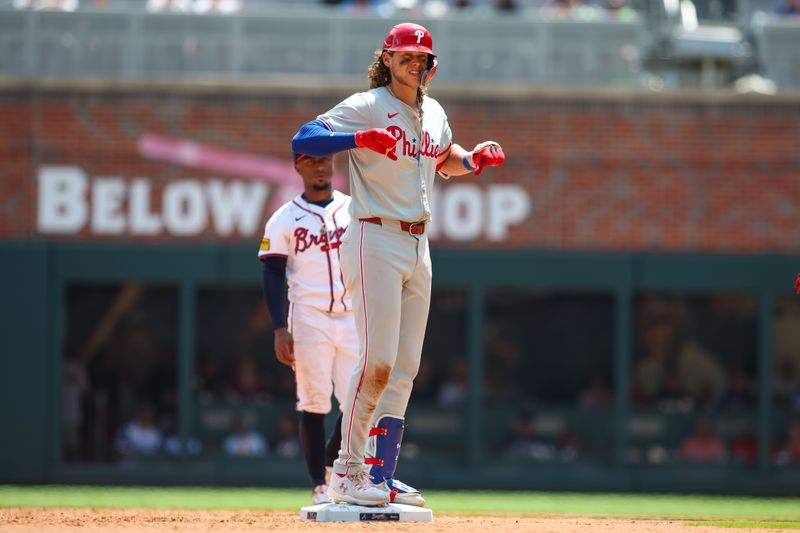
x=383 y=450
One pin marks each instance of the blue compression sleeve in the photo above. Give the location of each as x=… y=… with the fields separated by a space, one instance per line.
x=275 y=290
x=315 y=139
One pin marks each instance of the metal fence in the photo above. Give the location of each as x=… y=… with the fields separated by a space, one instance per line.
x=523 y=49
x=138 y=45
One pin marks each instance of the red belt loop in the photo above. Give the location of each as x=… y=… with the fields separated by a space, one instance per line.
x=413 y=228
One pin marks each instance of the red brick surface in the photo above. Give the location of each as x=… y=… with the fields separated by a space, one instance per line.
x=602 y=174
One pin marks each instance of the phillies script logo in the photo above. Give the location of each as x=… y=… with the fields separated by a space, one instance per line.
x=326 y=241
x=426 y=147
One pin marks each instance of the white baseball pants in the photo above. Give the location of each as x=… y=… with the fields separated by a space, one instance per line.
x=325 y=351
x=388 y=274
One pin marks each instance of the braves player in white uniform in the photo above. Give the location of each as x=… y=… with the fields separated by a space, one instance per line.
x=317 y=336
x=398 y=138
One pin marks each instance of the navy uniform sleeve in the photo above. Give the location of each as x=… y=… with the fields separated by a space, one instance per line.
x=275 y=289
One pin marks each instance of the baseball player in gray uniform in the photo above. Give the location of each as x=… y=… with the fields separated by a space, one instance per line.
x=317 y=337
x=398 y=139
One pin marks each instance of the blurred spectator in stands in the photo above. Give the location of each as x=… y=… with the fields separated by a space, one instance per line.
x=740 y=394
x=597 y=395
x=560 y=9
x=787 y=8
x=174 y=6
x=247 y=381
x=786 y=384
x=505 y=6
x=48 y=5
x=525 y=442
x=703 y=445
x=244 y=441
x=789 y=451
x=378 y=7
x=453 y=392
x=744 y=448
x=672 y=394
x=669 y=363
x=198 y=7
x=140 y=436
x=216 y=7
x=462 y=5
x=171 y=441
x=571 y=10
x=621 y=10
x=75 y=386
x=288 y=445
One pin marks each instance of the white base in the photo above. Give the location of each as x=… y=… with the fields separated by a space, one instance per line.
x=343 y=512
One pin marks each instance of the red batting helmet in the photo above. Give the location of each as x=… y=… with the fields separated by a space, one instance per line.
x=409 y=37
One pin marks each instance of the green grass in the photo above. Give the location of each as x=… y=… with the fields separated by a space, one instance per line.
x=725 y=510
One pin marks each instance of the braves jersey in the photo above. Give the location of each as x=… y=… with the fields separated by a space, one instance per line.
x=309 y=236
x=380 y=187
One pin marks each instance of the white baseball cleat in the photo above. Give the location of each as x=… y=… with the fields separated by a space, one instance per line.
x=319 y=496
x=399 y=492
x=357 y=489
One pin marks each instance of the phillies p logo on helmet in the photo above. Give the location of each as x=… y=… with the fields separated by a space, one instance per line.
x=409 y=37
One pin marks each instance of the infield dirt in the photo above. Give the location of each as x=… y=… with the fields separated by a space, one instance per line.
x=48 y=520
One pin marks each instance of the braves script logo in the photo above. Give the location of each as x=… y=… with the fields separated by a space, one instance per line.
x=326 y=241
x=427 y=148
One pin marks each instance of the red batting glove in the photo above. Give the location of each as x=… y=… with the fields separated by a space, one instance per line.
x=487 y=154
x=378 y=140
x=797 y=284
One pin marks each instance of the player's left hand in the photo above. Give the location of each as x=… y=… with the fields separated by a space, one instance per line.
x=797 y=284
x=487 y=154
x=284 y=347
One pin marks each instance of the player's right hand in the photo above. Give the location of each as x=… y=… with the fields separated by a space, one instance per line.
x=378 y=140
x=284 y=347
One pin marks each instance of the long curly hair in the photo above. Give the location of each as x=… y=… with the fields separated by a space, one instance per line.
x=380 y=76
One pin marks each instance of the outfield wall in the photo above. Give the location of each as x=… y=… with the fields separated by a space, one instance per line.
x=130 y=208
x=585 y=171
x=459 y=446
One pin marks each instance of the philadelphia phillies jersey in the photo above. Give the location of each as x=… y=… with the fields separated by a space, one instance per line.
x=309 y=237
x=380 y=187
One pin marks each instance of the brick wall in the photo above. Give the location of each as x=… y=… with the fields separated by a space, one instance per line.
x=602 y=173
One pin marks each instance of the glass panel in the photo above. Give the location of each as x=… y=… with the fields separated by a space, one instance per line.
x=693 y=382
x=119 y=387
x=548 y=375
x=244 y=398
x=435 y=416
x=238 y=381
x=785 y=449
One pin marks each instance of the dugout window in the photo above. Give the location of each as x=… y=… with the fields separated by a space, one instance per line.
x=548 y=380
x=244 y=398
x=435 y=418
x=785 y=437
x=693 y=379
x=119 y=371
